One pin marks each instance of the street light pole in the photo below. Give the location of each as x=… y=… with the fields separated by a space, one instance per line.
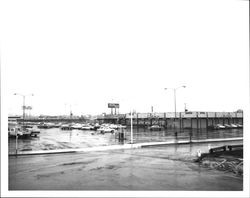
x=23 y=107
x=23 y=116
x=23 y=102
x=16 y=141
x=131 y=131
x=175 y=103
x=174 y=89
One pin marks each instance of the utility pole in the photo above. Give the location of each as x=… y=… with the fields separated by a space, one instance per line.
x=70 y=113
x=174 y=89
x=23 y=107
x=131 y=131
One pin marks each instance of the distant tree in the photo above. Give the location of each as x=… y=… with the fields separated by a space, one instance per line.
x=239 y=111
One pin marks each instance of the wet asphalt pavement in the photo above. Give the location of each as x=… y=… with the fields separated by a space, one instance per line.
x=154 y=168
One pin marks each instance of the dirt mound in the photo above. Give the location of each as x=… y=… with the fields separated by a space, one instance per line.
x=231 y=161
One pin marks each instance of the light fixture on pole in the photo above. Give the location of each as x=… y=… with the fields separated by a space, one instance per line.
x=23 y=107
x=174 y=89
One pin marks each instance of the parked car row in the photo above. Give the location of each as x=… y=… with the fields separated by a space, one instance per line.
x=48 y=125
x=104 y=128
x=217 y=126
x=80 y=126
x=68 y=126
x=226 y=126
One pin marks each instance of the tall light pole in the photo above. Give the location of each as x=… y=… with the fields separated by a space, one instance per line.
x=70 y=109
x=23 y=102
x=131 y=127
x=23 y=114
x=174 y=89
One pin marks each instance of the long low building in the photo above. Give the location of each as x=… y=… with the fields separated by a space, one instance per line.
x=190 y=114
x=194 y=119
x=179 y=120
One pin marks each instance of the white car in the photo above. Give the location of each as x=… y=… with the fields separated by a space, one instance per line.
x=121 y=126
x=219 y=126
x=114 y=126
x=34 y=131
x=77 y=126
x=13 y=131
x=228 y=126
x=155 y=128
x=239 y=125
x=106 y=130
x=233 y=125
x=87 y=127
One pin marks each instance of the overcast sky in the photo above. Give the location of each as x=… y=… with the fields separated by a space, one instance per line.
x=90 y=53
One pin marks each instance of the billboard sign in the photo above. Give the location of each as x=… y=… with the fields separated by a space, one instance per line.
x=27 y=107
x=113 y=105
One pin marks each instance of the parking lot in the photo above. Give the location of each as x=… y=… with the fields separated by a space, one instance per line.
x=55 y=138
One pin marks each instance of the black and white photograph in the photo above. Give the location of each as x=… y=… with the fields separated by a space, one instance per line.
x=124 y=98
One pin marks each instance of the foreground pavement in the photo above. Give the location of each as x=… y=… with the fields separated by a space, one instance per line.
x=152 y=168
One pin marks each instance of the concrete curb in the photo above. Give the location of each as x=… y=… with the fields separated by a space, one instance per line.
x=60 y=151
x=118 y=147
x=188 y=142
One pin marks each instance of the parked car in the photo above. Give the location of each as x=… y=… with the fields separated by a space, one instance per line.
x=233 y=126
x=219 y=126
x=155 y=128
x=34 y=131
x=57 y=125
x=13 y=131
x=239 y=125
x=66 y=127
x=87 y=127
x=228 y=126
x=77 y=126
x=96 y=126
x=119 y=126
x=106 y=130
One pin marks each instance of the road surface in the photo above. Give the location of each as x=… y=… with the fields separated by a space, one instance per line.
x=155 y=168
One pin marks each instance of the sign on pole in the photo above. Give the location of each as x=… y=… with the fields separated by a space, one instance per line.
x=113 y=105
x=26 y=107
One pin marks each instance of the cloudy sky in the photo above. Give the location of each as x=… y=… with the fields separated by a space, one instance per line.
x=89 y=53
